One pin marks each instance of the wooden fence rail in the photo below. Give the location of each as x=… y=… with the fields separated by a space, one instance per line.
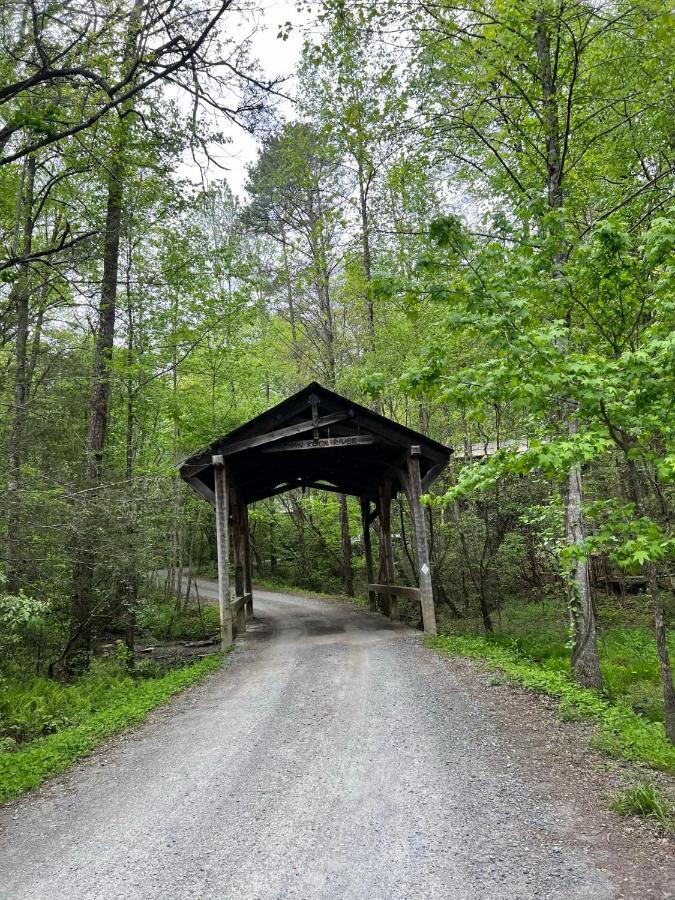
x=396 y=590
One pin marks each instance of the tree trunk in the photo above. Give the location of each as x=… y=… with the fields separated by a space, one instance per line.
x=662 y=648
x=100 y=394
x=387 y=574
x=549 y=113
x=585 y=658
x=291 y=308
x=19 y=299
x=328 y=329
x=404 y=541
x=177 y=530
x=130 y=577
x=78 y=649
x=105 y=333
x=273 y=558
x=365 y=243
x=477 y=585
x=657 y=606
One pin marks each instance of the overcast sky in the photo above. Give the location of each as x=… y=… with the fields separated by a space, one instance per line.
x=277 y=58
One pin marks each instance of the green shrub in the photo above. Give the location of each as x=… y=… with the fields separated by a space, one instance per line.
x=22 y=619
x=127 y=702
x=163 y=621
x=621 y=731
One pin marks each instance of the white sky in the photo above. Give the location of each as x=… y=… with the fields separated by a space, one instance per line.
x=277 y=58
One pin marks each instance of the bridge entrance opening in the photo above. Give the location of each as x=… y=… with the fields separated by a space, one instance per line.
x=318 y=439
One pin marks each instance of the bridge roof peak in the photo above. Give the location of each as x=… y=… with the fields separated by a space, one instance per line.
x=319 y=439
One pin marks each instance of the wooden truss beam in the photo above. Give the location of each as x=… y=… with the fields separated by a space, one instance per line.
x=188 y=470
x=281 y=433
x=321 y=486
x=198 y=485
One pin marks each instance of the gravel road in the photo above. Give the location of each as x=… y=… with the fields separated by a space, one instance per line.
x=334 y=757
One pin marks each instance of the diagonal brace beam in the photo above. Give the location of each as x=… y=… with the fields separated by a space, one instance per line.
x=280 y=433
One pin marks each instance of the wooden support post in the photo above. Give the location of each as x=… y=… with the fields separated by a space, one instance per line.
x=382 y=599
x=387 y=574
x=415 y=492
x=223 y=544
x=368 y=551
x=238 y=545
x=248 y=563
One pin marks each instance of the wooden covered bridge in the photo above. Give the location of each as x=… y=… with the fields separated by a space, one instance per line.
x=317 y=439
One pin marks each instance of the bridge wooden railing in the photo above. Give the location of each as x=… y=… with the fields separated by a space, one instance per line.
x=393 y=592
x=396 y=590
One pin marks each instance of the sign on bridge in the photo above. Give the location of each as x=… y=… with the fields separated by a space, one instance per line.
x=318 y=443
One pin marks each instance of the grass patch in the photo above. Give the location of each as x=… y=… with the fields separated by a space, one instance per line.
x=643 y=799
x=82 y=716
x=628 y=656
x=621 y=731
